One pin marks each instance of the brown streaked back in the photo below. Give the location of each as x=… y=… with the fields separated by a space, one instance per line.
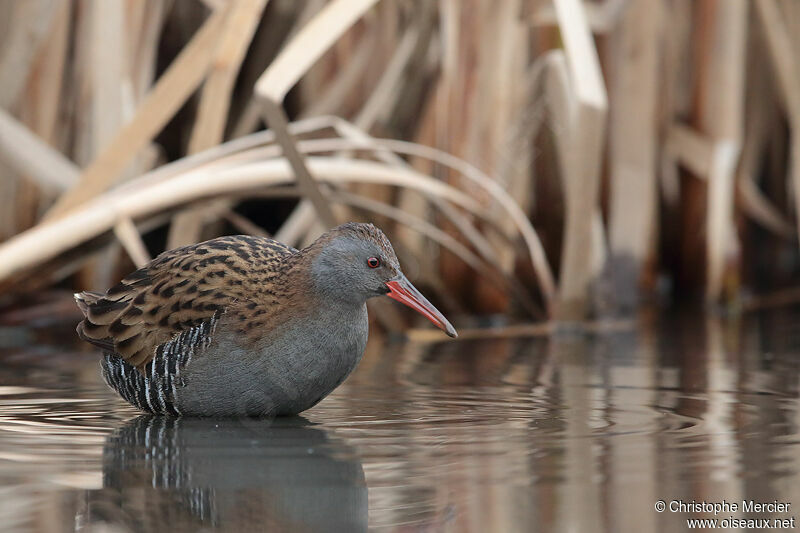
x=178 y=290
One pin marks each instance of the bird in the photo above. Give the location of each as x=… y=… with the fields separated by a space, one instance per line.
x=245 y=325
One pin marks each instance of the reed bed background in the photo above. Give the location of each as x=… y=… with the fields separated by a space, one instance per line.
x=531 y=158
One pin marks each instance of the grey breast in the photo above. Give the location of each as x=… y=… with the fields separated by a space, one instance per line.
x=285 y=372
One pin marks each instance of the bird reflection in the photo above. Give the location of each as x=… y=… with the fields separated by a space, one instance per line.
x=250 y=474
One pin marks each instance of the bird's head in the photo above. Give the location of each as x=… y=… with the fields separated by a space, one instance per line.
x=354 y=262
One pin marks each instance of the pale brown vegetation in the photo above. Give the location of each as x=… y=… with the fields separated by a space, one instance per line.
x=557 y=158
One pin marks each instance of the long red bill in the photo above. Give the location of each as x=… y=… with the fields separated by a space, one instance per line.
x=403 y=291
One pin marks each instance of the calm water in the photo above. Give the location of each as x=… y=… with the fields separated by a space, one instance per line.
x=578 y=434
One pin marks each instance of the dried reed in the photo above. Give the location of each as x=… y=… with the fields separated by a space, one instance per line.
x=562 y=155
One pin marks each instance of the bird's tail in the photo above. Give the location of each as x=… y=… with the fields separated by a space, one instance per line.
x=85 y=299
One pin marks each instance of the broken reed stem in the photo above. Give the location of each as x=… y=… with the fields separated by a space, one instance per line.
x=633 y=145
x=302 y=51
x=582 y=177
x=276 y=118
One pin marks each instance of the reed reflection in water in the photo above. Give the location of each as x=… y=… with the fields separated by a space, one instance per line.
x=568 y=434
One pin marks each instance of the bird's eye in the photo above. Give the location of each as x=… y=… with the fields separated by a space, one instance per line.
x=373 y=262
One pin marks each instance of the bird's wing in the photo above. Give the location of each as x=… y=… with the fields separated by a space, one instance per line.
x=179 y=290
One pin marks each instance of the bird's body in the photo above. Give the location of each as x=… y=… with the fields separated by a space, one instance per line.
x=282 y=372
x=244 y=326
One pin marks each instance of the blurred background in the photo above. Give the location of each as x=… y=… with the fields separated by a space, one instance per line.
x=528 y=158
x=534 y=162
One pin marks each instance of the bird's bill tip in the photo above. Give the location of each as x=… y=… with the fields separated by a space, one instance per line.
x=403 y=291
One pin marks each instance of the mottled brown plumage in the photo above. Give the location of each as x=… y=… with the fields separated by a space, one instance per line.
x=181 y=288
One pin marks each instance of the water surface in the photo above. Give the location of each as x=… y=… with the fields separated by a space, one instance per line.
x=584 y=433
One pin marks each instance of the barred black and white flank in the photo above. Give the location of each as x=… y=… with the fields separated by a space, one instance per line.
x=155 y=389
